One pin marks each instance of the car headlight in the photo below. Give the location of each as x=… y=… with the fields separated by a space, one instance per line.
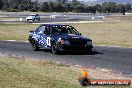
x=64 y=42
x=89 y=42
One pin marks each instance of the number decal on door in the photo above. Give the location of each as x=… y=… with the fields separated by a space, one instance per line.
x=48 y=41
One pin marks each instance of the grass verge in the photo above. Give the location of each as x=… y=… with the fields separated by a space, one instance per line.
x=26 y=73
x=118 y=33
x=15 y=31
x=9 y=19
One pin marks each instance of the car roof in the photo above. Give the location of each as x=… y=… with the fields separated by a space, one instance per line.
x=33 y=14
x=54 y=25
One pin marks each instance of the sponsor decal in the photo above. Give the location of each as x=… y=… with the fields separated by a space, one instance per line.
x=86 y=81
x=75 y=37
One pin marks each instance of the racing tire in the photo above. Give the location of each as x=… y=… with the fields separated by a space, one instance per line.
x=89 y=51
x=35 y=46
x=39 y=19
x=54 y=49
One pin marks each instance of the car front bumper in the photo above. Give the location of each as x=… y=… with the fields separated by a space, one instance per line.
x=78 y=48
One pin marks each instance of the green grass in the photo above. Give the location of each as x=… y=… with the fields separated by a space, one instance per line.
x=109 y=32
x=15 y=31
x=25 y=73
x=9 y=19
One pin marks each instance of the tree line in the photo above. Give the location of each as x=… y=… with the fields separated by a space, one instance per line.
x=62 y=6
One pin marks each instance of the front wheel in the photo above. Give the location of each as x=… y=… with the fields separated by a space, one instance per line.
x=89 y=51
x=33 y=19
x=34 y=45
x=54 y=49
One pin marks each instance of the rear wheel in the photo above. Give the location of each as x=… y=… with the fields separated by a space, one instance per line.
x=54 y=49
x=38 y=19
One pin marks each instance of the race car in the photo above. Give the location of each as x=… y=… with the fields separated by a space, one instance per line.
x=59 y=38
x=33 y=17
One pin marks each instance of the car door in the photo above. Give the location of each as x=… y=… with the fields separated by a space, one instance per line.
x=39 y=36
x=47 y=32
x=37 y=17
x=43 y=36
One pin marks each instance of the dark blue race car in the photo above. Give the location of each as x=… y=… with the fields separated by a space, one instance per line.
x=59 y=38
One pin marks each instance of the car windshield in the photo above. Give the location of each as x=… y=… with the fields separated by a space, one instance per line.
x=32 y=15
x=64 y=30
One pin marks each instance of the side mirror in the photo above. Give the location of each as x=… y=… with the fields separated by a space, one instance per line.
x=46 y=32
x=31 y=31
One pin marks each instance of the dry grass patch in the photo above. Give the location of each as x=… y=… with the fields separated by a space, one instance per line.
x=108 y=33
x=15 y=31
x=9 y=19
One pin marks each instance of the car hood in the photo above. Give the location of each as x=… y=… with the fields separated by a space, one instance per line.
x=30 y=17
x=72 y=37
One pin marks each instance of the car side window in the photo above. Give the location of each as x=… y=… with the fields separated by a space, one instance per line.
x=40 y=30
x=47 y=30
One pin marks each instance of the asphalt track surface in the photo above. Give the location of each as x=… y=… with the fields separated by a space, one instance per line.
x=43 y=20
x=111 y=58
x=50 y=20
x=47 y=19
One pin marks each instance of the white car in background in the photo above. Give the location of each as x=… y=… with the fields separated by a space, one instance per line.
x=33 y=17
x=58 y=16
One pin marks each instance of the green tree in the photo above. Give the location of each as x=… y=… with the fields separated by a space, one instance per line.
x=45 y=7
x=58 y=7
x=17 y=5
x=51 y=6
x=63 y=6
x=68 y=7
x=1 y=4
x=93 y=10
x=29 y=5
x=98 y=8
x=35 y=7
x=128 y=7
x=21 y=7
x=122 y=9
